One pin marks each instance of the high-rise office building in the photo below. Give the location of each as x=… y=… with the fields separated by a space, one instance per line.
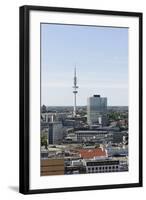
x=96 y=109
x=55 y=133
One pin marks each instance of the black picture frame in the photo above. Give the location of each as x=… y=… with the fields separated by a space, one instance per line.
x=24 y=123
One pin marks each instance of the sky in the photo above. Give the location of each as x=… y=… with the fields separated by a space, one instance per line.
x=100 y=55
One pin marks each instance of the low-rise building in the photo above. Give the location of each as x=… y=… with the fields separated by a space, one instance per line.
x=98 y=136
x=92 y=153
x=52 y=167
x=118 y=136
x=99 y=166
x=44 y=153
x=117 y=151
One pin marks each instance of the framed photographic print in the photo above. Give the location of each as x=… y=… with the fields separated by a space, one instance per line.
x=80 y=99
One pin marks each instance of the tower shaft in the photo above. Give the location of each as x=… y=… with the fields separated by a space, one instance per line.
x=75 y=87
x=75 y=104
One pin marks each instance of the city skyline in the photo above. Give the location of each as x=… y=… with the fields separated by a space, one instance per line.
x=100 y=55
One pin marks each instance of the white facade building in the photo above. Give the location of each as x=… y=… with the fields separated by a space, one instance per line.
x=102 y=166
x=93 y=135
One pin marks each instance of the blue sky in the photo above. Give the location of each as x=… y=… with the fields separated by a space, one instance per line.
x=100 y=55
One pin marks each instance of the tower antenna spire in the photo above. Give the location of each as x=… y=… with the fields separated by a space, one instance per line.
x=75 y=87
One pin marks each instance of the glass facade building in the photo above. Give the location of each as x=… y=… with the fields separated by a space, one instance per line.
x=96 y=108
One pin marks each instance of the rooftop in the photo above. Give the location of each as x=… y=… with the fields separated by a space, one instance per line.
x=91 y=153
x=90 y=132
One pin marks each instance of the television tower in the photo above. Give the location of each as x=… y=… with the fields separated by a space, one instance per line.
x=75 y=92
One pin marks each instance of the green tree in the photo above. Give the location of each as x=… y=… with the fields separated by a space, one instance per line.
x=44 y=141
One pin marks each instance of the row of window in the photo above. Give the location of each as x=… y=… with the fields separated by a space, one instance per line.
x=102 y=163
x=102 y=171
x=103 y=168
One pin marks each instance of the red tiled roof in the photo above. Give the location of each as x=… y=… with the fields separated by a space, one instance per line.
x=91 y=153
